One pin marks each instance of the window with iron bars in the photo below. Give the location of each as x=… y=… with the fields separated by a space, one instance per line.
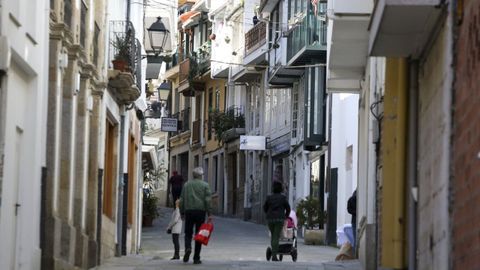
x=83 y=20
x=67 y=13
x=294 y=111
x=96 y=41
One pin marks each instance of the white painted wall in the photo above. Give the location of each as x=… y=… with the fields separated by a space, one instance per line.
x=367 y=128
x=351 y=7
x=25 y=25
x=344 y=150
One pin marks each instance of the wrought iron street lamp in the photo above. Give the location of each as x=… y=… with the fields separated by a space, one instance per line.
x=158 y=35
x=164 y=90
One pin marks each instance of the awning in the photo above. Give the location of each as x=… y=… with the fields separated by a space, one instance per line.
x=188 y=15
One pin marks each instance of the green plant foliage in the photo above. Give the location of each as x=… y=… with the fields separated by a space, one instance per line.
x=222 y=121
x=309 y=213
x=150 y=206
x=122 y=45
x=193 y=72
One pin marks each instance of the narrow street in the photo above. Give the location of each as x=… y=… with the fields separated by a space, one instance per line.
x=235 y=244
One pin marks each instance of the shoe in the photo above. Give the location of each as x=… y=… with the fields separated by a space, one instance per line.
x=274 y=258
x=176 y=257
x=186 y=257
x=197 y=262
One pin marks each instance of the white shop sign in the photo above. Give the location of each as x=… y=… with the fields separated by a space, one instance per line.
x=169 y=124
x=252 y=142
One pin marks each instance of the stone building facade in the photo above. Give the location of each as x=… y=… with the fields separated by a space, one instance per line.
x=91 y=202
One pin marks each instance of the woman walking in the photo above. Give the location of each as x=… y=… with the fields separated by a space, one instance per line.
x=277 y=209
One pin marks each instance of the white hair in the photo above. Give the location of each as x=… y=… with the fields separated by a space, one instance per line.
x=197 y=172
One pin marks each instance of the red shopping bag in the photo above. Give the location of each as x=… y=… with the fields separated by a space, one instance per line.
x=204 y=233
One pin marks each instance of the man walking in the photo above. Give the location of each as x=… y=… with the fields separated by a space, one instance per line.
x=194 y=205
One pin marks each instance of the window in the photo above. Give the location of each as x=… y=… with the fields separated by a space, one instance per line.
x=215 y=174
x=196 y=161
x=314 y=117
x=96 y=40
x=210 y=109
x=83 y=24
x=257 y=109
x=217 y=99
x=294 y=111
x=206 y=177
x=67 y=13
x=349 y=158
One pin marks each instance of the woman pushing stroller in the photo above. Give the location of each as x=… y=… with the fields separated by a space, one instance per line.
x=277 y=210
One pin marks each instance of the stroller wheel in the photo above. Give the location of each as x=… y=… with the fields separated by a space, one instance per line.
x=280 y=257
x=269 y=253
x=294 y=255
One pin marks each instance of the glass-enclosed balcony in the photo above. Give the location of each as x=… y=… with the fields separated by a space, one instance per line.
x=307 y=37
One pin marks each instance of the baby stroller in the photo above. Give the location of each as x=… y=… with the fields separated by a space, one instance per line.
x=288 y=240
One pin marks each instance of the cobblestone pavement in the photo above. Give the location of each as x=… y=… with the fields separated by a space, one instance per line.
x=235 y=244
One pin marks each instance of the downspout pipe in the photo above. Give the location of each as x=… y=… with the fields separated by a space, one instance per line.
x=412 y=189
x=121 y=185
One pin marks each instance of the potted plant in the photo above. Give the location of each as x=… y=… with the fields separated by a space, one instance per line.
x=122 y=52
x=150 y=211
x=310 y=217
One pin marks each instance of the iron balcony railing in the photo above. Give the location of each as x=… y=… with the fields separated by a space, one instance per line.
x=194 y=66
x=183 y=118
x=125 y=31
x=237 y=114
x=255 y=37
x=174 y=61
x=184 y=70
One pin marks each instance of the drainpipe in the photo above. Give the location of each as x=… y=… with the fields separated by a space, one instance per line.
x=121 y=184
x=412 y=189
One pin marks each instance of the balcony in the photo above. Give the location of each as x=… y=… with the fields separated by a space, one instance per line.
x=173 y=67
x=255 y=37
x=196 y=127
x=228 y=125
x=256 y=44
x=191 y=74
x=307 y=38
x=124 y=74
x=183 y=118
x=347 y=44
x=402 y=28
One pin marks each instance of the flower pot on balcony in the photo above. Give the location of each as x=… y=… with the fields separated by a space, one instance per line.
x=120 y=64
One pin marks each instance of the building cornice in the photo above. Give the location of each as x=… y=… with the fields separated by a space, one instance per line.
x=61 y=31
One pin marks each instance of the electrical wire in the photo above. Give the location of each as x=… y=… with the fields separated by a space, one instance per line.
x=269 y=66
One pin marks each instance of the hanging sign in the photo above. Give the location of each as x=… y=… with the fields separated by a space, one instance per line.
x=252 y=142
x=169 y=124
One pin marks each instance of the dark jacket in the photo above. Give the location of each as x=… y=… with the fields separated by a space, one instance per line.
x=176 y=181
x=352 y=207
x=276 y=207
